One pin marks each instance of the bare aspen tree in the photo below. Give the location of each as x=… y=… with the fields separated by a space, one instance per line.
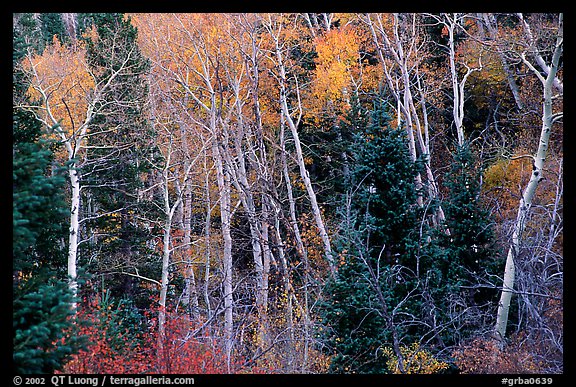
x=317 y=22
x=300 y=248
x=547 y=75
x=278 y=59
x=74 y=141
x=189 y=58
x=224 y=186
x=171 y=175
x=207 y=236
x=191 y=289
x=489 y=20
x=71 y=24
x=452 y=24
x=536 y=55
x=258 y=219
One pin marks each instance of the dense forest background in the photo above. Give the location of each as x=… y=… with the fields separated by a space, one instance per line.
x=287 y=193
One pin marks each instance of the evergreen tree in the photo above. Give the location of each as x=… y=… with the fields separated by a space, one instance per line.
x=52 y=25
x=26 y=33
x=378 y=236
x=43 y=333
x=355 y=330
x=38 y=207
x=387 y=194
x=453 y=264
x=471 y=238
x=329 y=150
x=38 y=30
x=41 y=300
x=38 y=204
x=469 y=249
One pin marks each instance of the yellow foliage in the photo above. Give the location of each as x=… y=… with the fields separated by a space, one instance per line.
x=338 y=52
x=497 y=174
x=505 y=180
x=416 y=360
x=511 y=175
x=338 y=71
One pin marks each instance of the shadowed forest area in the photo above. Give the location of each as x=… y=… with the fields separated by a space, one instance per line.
x=288 y=193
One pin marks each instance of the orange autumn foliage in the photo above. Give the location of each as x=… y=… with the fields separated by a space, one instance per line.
x=63 y=80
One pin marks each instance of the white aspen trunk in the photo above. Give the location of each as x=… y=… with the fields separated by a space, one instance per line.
x=407 y=101
x=458 y=96
x=236 y=164
x=279 y=62
x=288 y=290
x=166 y=251
x=489 y=22
x=261 y=257
x=208 y=70
x=266 y=259
x=224 y=187
x=240 y=181
x=166 y=240
x=309 y=189
x=327 y=17
x=256 y=154
x=69 y=20
x=207 y=236
x=434 y=192
x=191 y=289
x=163 y=291
x=169 y=213
x=228 y=295
x=75 y=144
x=299 y=246
x=458 y=99
x=263 y=166
x=303 y=172
x=536 y=53
x=310 y=26
x=548 y=119
x=73 y=231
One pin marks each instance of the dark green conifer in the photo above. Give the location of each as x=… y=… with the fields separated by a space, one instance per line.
x=469 y=249
x=52 y=25
x=378 y=235
x=41 y=298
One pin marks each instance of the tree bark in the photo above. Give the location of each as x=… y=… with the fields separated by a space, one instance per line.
x=191 y=287
x=301 y=250
x=548 y=119
x=74 y=230
x=299 y=154
x=490 y=23
x=224 y=188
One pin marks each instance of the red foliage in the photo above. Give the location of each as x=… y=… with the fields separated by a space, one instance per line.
x=181 y=352
x=99 y=356
x=484 y=356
